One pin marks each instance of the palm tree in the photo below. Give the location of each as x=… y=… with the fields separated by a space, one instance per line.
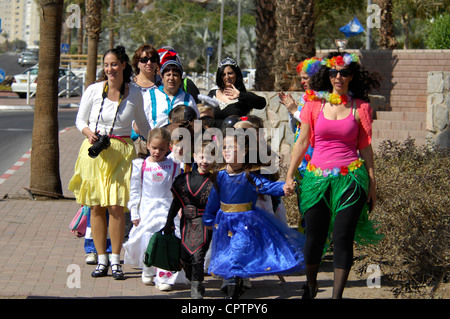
x=80 y=30
x=44 y=175
x=265 y=45
x=295 y=40
x=387 y=38
x=93 y=29
x=112 y=12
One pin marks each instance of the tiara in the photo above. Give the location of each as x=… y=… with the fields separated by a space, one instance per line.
x=340 y=60
x=227 y=61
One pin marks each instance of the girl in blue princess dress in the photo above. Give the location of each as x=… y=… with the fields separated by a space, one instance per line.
x=247 y=241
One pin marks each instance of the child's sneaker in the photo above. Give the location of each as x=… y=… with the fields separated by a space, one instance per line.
x=163 y=287
x=91 y=259
x=147 y=280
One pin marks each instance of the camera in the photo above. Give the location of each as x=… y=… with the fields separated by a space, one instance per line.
x=102 y=144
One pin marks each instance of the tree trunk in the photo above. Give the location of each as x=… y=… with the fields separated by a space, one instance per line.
x=80 y=30
x=265 y=44
x=112 y=12
x=44 y=162
x=387 y=38
x=93 y=28
x=295 y=41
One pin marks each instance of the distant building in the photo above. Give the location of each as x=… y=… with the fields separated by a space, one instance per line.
x=20 y=20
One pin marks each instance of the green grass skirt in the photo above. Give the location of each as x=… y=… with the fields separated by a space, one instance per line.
x=313 y=186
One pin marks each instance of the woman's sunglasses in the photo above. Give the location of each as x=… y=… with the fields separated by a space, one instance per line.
x=344 y=72
x=145 y=60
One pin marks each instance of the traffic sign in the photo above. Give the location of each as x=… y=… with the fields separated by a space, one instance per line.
x=209 y=51
x=64 y=47
x=2 y=75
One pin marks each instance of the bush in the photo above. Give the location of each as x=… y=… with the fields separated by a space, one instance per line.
x=413 y=208
x=439 y=33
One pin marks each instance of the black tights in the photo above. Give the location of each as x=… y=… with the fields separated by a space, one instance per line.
x=317 y=220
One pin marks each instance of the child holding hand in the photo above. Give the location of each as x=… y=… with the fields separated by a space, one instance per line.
x=247 y=241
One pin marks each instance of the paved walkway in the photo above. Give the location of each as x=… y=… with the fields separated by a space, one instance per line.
x=40 y=257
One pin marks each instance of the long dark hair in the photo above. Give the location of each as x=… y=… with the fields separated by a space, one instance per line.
x=360 y=86
x=251 y=169
x=120 y=52
x=239 y=77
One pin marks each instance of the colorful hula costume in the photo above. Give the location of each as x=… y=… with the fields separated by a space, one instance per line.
x=310 y=67
x=315 y=184
x=330 y=184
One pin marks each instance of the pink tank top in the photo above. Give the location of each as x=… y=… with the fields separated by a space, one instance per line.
x=335 y=142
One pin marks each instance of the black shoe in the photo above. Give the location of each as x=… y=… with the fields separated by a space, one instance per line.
x=235 y=288
x=197 y=290
x=100 y=271
x=310 y=292
x=117 y=272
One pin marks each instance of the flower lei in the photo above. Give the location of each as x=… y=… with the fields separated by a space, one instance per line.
x=344 y=170
x=309 y=66
x=340 y=60
x=333 y=98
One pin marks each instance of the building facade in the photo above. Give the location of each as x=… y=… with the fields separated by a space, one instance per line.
x=20 y=20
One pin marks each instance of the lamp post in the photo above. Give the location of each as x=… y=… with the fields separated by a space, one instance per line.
x=238 y=54
x=368 y=31
x=219 y=51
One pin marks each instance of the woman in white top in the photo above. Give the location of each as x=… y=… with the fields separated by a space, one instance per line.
x=168 y=95
x=103 y=168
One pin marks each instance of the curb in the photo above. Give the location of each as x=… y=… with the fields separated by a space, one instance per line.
x=21 y=161
x=31 y=107
x=15 y=167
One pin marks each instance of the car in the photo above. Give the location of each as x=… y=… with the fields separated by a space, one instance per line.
x=19 y=83
x=28 y=58
x=249 y=78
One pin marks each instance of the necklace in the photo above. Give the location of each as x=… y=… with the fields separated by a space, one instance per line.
x=333 y=98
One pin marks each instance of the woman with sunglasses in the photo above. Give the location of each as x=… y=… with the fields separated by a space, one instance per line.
x=145 y=64
x=338 y=189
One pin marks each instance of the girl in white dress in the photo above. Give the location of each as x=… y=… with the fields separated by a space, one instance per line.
x=150 y=200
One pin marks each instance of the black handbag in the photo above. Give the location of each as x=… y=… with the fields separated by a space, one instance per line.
x=163 y=251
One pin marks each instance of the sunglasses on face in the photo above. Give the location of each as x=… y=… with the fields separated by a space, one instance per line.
x=145 y=60
x=344 y=73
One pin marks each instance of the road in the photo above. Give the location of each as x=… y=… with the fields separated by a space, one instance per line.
x=16 y=128
x=8 y=62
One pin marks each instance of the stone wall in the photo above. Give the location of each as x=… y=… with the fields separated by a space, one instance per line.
x=438 y=108
x=275 y=116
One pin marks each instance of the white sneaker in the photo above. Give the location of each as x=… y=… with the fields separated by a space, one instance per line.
x=147 y=280
x=91 y=259
x=163 y=287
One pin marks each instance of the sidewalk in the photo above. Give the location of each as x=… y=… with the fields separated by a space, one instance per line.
x=42 y=258
x=11 y=101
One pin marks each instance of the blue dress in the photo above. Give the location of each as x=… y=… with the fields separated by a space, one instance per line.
x=247 y=241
